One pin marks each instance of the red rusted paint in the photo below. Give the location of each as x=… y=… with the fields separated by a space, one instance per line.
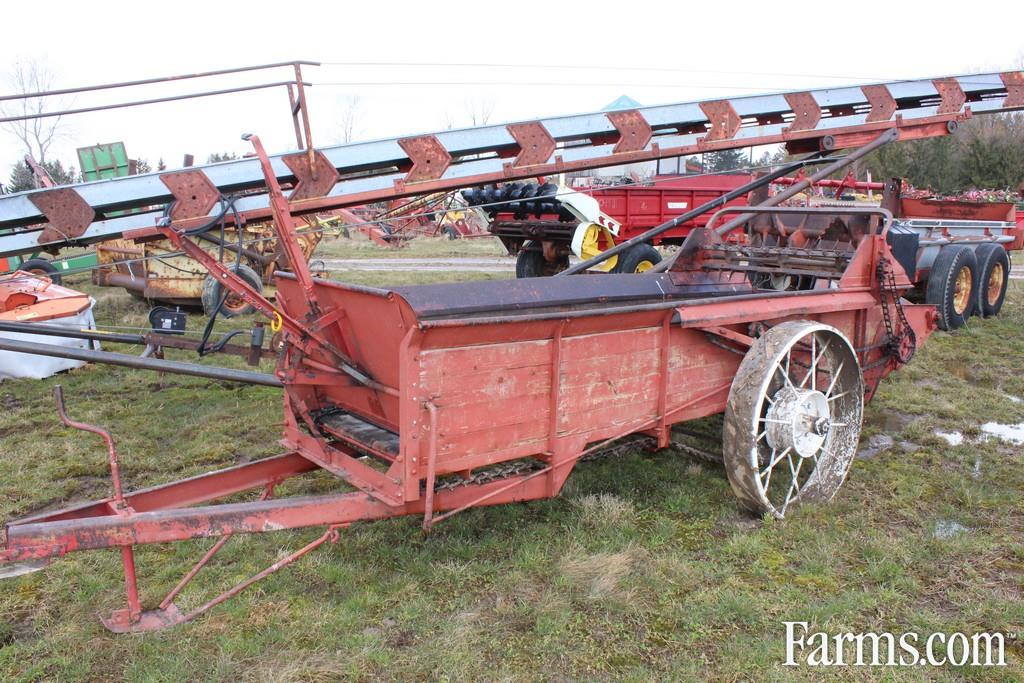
x=1014 y=82
x=535 y=143
x=634 y=131
x=428 y=156
x=951 y=94
x=68 y=214
x=194 y=193
x=724 y=120
x=806 y=111
x=311 y=181
x=883 y=106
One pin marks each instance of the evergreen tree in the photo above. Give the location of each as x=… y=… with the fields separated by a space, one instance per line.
x=726 y=160
x=986 y=153
x=21 y=178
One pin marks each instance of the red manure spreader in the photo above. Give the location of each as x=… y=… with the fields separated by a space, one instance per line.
x=431 y=400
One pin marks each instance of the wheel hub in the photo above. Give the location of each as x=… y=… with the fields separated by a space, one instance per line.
x=995 y=284
x=962 y=291
x=798 y=419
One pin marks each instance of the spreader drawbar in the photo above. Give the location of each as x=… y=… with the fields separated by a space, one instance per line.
x=356 y=173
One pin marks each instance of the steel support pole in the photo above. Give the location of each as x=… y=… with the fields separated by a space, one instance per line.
x=139 y=363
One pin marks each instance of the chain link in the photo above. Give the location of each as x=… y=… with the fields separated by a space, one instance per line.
x=527 y=465
x=900 y=346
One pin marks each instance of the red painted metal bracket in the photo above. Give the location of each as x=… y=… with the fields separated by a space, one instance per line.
x=535 y=143
x=342 y=462
x=1014 y=82
x=805 y=109
x=952 y=95
x=311 y=182
x=194 y=193
x=186 y=492
x=428 y=156
x=724 y=120
x=883 y=105
x=634 y=131
x=731 y=335
x=68 y=214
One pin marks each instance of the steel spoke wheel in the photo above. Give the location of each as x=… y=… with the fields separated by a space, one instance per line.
x=793 y=418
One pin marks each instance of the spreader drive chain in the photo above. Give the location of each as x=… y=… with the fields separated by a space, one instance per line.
x=900 y=345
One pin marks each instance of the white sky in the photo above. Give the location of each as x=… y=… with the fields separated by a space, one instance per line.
x=704 y=51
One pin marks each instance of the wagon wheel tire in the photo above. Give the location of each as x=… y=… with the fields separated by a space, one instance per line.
x=951 y=285
x=41 y=266
x=993 y=278
x=790 y=434
x=234 y=304
x=531 y=262
x=639 y=258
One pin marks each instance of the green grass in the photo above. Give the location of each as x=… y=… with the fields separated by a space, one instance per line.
x=642 y=570
x=359 y=246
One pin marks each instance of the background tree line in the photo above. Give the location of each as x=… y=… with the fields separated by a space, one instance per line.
x=987 y=152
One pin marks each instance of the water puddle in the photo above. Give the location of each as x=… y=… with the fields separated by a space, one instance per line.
x=946 y=528
x=1011 y=433
x=875 y=445
x=952 y=438
x=893 y=422
x=969 y=374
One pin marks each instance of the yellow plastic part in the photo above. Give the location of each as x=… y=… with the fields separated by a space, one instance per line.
x=591 y=246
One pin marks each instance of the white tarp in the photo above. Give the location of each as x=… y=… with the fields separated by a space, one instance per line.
x=25 y=366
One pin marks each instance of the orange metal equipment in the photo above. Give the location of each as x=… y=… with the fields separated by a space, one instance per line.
x=433 y=399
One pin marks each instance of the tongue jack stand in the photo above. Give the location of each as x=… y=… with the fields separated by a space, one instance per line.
x=133 y=618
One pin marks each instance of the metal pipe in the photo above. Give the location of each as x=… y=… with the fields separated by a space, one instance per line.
x=147 y=81
x=689 y=215
x=1001 y=239
x=159 y=365
x=428 y=493
x=115 y=470
x=839 y=164
x=806 y=211
x=234 y=247
x=67 y=332
x=621 y=310
x=139 y=103
x=113 y=278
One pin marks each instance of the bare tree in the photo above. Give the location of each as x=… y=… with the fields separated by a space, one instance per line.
x=350 y=109
x=479 y=110
x=30 y=75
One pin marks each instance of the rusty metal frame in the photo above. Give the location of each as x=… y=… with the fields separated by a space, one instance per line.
x=314 y=357
x=423 y=168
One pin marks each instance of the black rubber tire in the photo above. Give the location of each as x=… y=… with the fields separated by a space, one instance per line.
x=941 y=292
x=41 y=266
x=530 y=262
x=212 y=291
x=638 y=256
x=992 y=261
